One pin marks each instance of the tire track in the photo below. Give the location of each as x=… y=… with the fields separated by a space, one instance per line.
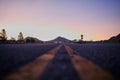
x=35 y=69
x=86 y=69
x=60 y=68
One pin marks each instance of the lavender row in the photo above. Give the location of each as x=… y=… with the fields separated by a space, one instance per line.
x=106 y=56
x=13 y=56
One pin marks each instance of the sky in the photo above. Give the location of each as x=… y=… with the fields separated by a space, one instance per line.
x=48 y=19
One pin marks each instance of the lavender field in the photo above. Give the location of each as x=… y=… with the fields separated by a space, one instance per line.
x=106 y=56
x=13 y=56
x=59 y=61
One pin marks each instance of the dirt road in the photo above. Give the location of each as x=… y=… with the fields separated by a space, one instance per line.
x=60 y=63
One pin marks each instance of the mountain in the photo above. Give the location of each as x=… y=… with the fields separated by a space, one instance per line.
x=115 y=39
x=60 y=40
x=32 y=40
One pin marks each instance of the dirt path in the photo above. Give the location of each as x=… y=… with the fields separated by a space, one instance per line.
x=86 y=69
x=35 y=69
x=60 y=63
x=60 y=68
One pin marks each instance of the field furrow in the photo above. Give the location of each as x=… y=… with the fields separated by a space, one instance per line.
x=86 y=69
x=33 y=70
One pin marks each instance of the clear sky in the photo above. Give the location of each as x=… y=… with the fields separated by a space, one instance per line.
x=47 y=19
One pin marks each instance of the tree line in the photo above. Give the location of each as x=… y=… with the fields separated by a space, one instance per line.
x=3 y=36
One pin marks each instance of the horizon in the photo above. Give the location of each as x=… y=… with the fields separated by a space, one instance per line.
x=59 y=37
x=46 y=20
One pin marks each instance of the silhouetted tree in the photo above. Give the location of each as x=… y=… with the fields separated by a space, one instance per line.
x=81 y=37
x=20 y=37
x=3 y=35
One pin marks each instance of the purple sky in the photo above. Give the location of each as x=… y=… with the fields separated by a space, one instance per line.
x=47 y=19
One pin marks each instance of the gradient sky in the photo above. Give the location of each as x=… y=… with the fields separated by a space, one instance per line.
x=47 y=19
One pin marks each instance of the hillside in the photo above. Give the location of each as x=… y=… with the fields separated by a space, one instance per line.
x=32 y=39
x=60 y=40
x=115 y=38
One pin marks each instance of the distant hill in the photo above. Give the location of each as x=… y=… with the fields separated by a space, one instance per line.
x=114 y=39
x=32 y=40
x=60 y=40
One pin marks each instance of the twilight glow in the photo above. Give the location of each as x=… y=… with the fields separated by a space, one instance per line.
x=47 y=19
